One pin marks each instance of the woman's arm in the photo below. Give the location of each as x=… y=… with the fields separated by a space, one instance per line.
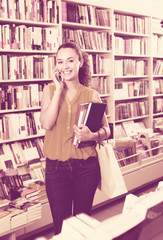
x=105 y=124
x=49 y=106
x=84 y=134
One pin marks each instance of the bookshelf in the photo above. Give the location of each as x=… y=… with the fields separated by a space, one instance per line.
x=135 y=99
x=157 y=74
x=28 y=41
x=124 y=51
x=90 y=27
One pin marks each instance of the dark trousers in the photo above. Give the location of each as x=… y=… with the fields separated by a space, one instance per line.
x=70 y=187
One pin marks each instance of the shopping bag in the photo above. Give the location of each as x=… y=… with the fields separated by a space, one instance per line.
x=112 y=183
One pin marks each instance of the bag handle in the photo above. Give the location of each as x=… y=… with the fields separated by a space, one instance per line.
x=99 y=136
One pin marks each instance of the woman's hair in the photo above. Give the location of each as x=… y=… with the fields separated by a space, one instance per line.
x=84 y=71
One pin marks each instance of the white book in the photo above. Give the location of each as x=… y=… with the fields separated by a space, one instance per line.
x=39 y=127
x=90 y=221
x=81 y=226
x=34 y=95
x=70 y=231
x=23 y=132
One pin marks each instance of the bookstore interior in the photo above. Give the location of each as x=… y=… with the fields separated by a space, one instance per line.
x=125 y=48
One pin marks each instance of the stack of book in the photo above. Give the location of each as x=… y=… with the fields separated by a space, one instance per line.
x=36 y=189
x=32 y=208
x=18 y=217
x=39 y=186
x=34 y=194
x=4 y=220
x=90 y=114
x=79 y=227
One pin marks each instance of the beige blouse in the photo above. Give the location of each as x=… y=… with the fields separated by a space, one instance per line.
x=58 y=141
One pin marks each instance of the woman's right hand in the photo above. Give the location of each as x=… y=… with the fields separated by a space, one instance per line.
x=57 y=79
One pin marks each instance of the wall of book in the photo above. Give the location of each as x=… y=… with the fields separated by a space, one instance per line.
x=90 y=27
x=29 y=37
x=126 y=55
x=137 y=105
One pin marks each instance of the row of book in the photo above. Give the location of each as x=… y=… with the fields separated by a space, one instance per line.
x=157 y=86
x=133 y=46
x=129 y=128
x=23 y=152
x=133 y=136
x=129 y=66
x=85 y=14
x=28 y=37
x=158 y=105
x=100 y=84
x=20 y=97
x=126 y=89
x=157 y=46
x=158 y=67
x=97 y=63
x=131 y=110
x=131 y=24
x=125 y=152
x=20 y=125
x=26 y=67
x=95 y=40
x=35 y=10
x=9 y=185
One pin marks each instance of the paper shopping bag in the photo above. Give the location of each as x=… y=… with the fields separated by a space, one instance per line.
x=112 y=182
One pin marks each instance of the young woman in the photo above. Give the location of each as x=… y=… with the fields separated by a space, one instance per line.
x=72 y=174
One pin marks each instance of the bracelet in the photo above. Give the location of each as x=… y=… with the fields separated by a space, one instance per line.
x=98 y=138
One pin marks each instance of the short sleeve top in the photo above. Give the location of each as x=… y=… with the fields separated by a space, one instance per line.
x=58 y=141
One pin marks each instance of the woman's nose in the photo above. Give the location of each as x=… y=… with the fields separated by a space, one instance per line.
x=65 y=65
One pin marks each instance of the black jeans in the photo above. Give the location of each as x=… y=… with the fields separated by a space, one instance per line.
x=70 y=187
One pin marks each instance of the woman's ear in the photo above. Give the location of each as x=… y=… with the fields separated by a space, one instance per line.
x=81 y=64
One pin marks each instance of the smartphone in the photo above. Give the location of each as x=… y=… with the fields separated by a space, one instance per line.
x=59 y=77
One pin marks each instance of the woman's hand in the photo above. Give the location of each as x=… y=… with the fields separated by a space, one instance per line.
x=83 y=133
x=57 y=79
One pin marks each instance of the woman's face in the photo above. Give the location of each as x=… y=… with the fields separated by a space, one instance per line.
x=68 y=63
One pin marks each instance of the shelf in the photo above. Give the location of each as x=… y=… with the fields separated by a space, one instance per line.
x=26 y=22
x=120 y=33
x=20 y=110
x=84 y=26
x=23 y=138
x=131 y=76
x=33 y=80
x=33 y=52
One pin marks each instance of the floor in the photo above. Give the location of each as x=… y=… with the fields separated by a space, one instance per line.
x=102 y=213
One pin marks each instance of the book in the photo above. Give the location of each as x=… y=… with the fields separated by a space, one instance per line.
x=133 y=128
x=37 y=185
x=125 y=151
x=90 y=114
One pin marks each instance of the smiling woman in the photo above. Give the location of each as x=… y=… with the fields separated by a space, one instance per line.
x=72 y=174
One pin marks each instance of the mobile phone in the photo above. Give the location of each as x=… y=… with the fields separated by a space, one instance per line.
x=59 y=77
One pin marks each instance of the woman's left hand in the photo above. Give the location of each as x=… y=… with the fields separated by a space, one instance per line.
x=82 y=133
